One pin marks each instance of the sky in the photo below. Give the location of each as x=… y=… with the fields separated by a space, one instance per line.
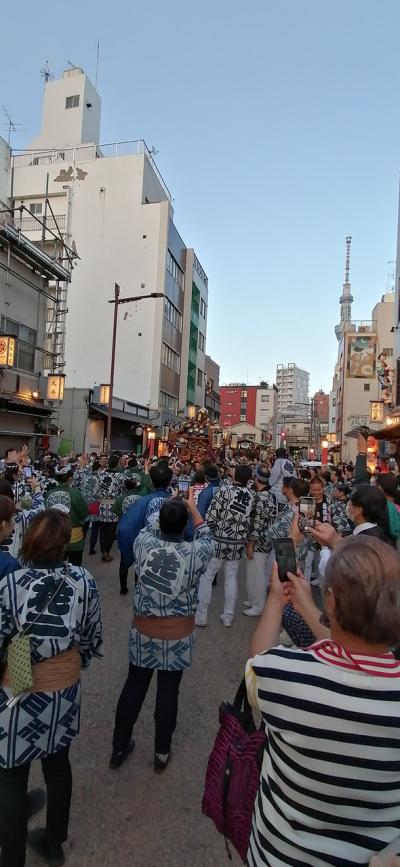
x=277 y=127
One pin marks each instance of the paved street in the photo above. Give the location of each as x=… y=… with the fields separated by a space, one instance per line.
x=132 y=816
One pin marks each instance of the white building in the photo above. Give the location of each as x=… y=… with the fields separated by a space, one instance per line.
x=293 y=387
x=112 y=205
x=266 y=406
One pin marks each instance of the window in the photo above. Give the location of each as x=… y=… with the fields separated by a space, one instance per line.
x=203 y=308
x=170 y=358
x=244 y=394
x=35 y=207
x=168 y=402
x=367 y=386
x=199 y=377
x=202 y=341
x=334 y=401
x=388 y=352
x=175 y=270
x=172 y=314
x=264 y=398
x=333 y=419
x=25 y=344
x=243 y=418
x=72 y=101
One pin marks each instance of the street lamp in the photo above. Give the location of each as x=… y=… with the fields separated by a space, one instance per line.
x=117 y=301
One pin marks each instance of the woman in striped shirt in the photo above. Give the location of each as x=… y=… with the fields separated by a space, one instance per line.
x=330 y=782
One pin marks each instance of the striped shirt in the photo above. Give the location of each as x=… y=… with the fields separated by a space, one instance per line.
x=330 y=781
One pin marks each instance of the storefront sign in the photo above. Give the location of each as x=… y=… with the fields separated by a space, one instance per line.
x=7 y=351
x=376 y=411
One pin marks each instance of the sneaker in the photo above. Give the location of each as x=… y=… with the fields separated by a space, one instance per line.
x=118 y=758
x=106 y=558
x=246 y=603
x=199 y=621
x=252 y=612
x=36 y=802
x=161 y=762
x=226 y=619
x=50 y=854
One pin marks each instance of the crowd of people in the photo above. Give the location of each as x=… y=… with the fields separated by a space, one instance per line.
x=323 y=668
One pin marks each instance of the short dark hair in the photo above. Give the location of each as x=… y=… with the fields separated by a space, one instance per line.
x=161 y=475
x=299 y=487
x=132 y=463
x=388 y=483
x=317 y=481
x=326 y=476
x=173 y=517
x=46 y=537
x=95 y=466
x=243 y=474
x=6 y=489
x=281 y=453
x=372 y=501
x=113 y=462
x=130 y=483
x=363 y=574
x=7 y=508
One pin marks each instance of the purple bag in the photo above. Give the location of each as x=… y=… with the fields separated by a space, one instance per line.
x=233 y=773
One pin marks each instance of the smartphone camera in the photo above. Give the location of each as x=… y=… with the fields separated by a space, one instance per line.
x=307 y=513
x=183 y=489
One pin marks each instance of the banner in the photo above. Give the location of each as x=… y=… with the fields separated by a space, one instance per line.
x=361 y=356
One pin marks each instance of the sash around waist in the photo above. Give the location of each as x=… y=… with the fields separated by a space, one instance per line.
x=58 y=672
x=164 y=628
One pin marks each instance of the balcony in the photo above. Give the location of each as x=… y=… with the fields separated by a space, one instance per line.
x=31 y=224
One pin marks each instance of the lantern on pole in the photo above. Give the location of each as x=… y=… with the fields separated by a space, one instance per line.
x=104 y=395
x=324 y=451
x=7 y=350
x=55 y=386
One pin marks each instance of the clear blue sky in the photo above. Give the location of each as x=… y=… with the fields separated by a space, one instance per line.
x=278 y=130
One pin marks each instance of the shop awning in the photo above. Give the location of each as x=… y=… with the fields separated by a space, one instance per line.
x=390 y=433
x=10 y=402
x=122 y=416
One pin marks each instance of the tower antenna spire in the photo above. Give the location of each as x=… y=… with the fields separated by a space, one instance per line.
x=346 y=298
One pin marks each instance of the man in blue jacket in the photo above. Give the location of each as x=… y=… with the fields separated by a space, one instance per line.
x=143 y=512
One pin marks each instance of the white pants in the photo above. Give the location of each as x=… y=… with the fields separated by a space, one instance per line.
x=231 y=586
x=257 y=580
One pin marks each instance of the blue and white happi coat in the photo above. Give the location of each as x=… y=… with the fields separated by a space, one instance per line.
x=168 y=575
x=45 y=722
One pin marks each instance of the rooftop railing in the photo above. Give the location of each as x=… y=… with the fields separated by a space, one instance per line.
x=84 y=153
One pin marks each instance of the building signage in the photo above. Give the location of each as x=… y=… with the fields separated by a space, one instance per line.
x=376 y=411
x=361 y=354
x=7 y=351
x=55 y=386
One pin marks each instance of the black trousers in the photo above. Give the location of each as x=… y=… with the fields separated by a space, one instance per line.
x=13 y=812
x=132 y=698
x=94 y=535
x=123 y=575
x=108 y=530
x=75 y=557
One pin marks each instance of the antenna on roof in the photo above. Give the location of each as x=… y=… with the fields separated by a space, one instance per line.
x=46 y=74
x=72 y=65
x=10 y=124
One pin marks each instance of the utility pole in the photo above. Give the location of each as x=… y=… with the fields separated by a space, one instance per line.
x=117 y=301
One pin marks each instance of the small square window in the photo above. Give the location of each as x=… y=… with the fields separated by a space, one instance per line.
x=72 y=101
x=35 y=207
x=199 y=376
x=367 y=386
x=203 y=308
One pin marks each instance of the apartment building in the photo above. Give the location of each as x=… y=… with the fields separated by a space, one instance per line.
x=112 y=206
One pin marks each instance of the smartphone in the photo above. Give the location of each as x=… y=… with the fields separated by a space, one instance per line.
x=307 y=513
x=285 y=557
x=183 y=488
x=27 y=472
